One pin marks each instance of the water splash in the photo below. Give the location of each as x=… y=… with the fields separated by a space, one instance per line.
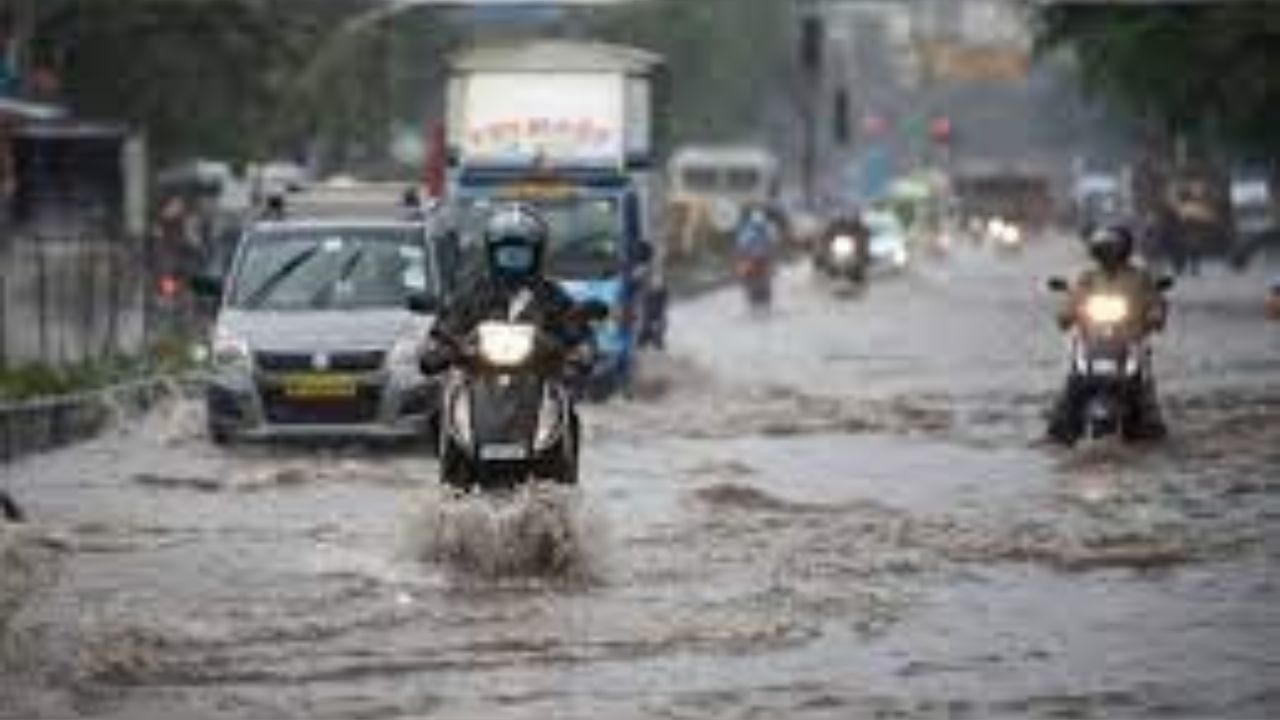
x=29 y=558
x=541 y=530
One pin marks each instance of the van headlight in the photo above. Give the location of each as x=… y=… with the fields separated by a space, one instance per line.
x=230 y=350
x=405 y=356
x=506 y=345
x=1106 y=309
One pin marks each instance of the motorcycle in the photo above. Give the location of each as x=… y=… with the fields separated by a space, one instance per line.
x=508 y=412
x=1110 y=363
x=755 y=271
x=842 y=258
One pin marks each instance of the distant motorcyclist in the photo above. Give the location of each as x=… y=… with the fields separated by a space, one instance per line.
x=754 y=249
x=848 y=224
x=1112 y=249
x=515 y=241
x=755 y=235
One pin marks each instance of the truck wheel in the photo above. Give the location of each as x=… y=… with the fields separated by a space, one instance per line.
x=432 y=440
x=219 y=435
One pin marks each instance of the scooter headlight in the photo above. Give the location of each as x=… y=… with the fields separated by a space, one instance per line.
x=506 y=345
x=843 y=247
x=1106 y=309
x=230 y=350
x=405 y=356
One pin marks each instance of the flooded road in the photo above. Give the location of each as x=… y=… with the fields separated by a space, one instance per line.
x=840 y=510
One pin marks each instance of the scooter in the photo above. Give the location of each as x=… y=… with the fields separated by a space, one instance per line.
x=843 y=259
x=1110 y=363
x=508 y=415
x=755 y=271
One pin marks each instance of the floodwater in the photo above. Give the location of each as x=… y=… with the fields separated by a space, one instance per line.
x=838 y=510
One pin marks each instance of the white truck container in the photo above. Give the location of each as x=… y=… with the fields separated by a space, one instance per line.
x=555 y=104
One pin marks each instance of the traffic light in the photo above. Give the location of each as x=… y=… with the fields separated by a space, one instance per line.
x=840 y=126
x=811 y=42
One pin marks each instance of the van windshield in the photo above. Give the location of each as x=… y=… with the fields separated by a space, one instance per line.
x=332 y=269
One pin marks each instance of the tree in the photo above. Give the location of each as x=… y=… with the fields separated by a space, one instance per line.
x=1206 y=73
x=228 y=78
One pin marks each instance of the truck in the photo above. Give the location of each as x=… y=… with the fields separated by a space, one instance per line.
x=569 y=127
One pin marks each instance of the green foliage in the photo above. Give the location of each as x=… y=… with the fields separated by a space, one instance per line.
x=1210 y=72
x=727 y=59
x=225 y=78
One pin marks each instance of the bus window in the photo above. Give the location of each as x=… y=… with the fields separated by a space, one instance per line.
x=700 y=179
x=743 y=180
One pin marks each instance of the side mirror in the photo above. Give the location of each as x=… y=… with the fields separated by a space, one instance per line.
x=422 y=304
x=644 y=253
x=206 y=286
x=1164 y=284
x=1057 y=284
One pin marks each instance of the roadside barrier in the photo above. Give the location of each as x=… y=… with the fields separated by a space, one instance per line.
x=43 y=424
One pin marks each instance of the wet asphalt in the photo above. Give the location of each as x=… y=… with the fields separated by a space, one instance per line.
x=839 y=509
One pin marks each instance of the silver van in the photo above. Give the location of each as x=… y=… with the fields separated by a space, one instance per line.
x=314 y=336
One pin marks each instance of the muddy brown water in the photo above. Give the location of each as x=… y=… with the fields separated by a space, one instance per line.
x=816 y=514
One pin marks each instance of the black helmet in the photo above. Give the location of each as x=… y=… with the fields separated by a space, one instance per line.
x=1111 y=246
x=515 y=241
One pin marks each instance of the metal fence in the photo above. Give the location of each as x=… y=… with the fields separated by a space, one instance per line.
x=70 y=298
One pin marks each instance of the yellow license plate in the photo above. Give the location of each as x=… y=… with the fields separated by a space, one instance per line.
x=319 y=386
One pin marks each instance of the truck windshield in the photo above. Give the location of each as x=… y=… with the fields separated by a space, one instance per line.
x=586 y=235
x=331 y=269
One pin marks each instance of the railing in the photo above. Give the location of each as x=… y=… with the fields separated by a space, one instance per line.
x=34 y=426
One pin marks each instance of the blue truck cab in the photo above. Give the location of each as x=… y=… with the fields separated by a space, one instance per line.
x=596 y=250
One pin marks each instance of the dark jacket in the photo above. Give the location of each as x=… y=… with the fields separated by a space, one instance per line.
x=1135 y=283
x=549 y=307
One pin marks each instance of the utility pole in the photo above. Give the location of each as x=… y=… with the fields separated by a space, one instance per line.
x=812 y=48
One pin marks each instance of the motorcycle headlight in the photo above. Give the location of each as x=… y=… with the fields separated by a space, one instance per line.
x=506 y=344
x=230 y=350
x=1106 y=309
x=404 y=356
x=843 y=247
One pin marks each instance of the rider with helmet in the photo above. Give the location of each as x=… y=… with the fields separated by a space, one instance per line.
x=1111 y=248
x=515 y=242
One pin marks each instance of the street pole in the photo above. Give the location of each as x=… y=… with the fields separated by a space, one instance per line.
x=811 y=61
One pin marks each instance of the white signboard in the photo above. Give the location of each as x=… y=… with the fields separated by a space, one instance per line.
x=569 y=118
